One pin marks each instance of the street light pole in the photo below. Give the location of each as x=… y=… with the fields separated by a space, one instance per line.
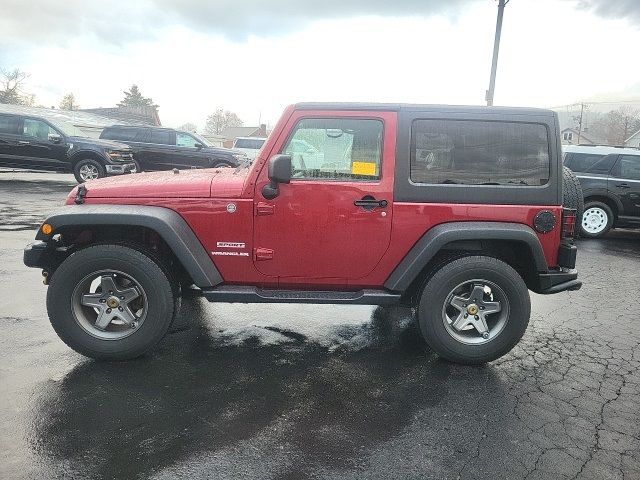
x=496 y=47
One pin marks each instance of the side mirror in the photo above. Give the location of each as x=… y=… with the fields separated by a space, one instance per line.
x=199 y=146
x=55 y=138
x=279 y=172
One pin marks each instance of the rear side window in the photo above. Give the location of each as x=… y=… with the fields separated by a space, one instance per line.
x=589 y=162
x=335 y=149
x=630 y=167
x=162 y=137
x=123 y=134
x=8 y=125
x=472 y=152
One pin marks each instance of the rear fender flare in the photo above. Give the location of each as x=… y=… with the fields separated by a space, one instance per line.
x=432 y=242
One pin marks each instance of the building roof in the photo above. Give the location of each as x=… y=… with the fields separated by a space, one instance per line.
x=233 y=132
x=582 y=134
x=142 y=115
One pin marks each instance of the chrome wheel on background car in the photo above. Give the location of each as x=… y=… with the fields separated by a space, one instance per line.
x=88 y=172
x=109 y=305
x=475 y=312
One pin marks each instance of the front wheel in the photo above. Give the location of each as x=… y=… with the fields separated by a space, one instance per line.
x=88 y=169
x=474 y=310
x=110 y=302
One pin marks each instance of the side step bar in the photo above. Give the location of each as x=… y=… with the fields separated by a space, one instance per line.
x=233 y=294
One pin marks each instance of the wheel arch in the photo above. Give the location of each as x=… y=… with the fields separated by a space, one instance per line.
x=167 y=224
x=86 y=154
x=613 y=203
x=516 y=244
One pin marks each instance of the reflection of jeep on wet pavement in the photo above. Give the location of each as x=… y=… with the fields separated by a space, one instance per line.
x=456 y=211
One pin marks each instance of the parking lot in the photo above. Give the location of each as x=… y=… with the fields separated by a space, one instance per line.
x=304 y=391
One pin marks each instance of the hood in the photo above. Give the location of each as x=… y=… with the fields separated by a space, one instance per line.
x=100 y=142
x=215 y=182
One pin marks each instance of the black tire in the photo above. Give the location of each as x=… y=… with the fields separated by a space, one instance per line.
x=572 y=196
x=595 y=209
x=437 y=291
x=220 y=164
x=91 y=164
x=160 y=295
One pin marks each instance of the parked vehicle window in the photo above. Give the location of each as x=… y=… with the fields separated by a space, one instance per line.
x=479 y=153
x=630 y=167
x=162 y=137
x=37 y=129
x=582 y=162
x=185 y=140
x=122 y=134
x=8 y=124
x=255 y=144
x=335 y=149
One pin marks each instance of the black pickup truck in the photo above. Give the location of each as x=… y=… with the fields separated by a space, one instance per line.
x=610 y=180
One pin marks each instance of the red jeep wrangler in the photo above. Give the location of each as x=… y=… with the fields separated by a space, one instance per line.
x=456 y=211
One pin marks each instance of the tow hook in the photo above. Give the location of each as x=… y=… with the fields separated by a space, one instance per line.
x=45 y=277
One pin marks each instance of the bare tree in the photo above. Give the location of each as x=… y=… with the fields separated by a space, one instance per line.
x=69 y=102
x=621 y=123
x=188 y=127
x=221 y=119
x=11 y=87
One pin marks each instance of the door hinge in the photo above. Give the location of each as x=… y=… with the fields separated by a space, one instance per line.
x=262 y=254
x=263 y=208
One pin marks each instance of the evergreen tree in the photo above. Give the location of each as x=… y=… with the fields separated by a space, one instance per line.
x=133 y=98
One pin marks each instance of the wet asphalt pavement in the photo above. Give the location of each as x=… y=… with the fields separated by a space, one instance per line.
x=290 y=391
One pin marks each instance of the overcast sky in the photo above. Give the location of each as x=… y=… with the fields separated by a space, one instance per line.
x=254 y=57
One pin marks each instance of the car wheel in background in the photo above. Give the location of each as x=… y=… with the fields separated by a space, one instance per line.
x=88 y=169
x=596 y=220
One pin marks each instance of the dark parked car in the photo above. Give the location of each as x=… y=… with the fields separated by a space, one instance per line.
x=37 y=144
x=165 y=148
x=610 y=179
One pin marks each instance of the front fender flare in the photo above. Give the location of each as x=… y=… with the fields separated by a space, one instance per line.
x=437 y=237
x=173 y=229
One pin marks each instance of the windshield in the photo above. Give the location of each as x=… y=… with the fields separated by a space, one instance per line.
x=68 y=129
x=250 y=143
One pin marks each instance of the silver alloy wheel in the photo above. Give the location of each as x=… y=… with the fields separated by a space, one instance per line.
x=109 y=305
x=594 y=220
x=475 y=312
x=89 y=172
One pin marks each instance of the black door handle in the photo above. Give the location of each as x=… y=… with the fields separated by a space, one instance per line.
x=369 y=203
x=623 y=185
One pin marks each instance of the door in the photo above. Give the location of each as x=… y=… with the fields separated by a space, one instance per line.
x=158 y=150
x=187 y=155
x=38 y=150
x=333 y=220
x=625 y=183
x=8 y=140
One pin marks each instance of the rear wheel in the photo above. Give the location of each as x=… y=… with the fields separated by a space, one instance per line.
x=474 y=309
x=596 y=220
x=110 y=302
x=88 y=169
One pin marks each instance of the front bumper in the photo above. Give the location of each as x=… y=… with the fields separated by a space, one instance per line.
x=36 y=254
x=120 y=169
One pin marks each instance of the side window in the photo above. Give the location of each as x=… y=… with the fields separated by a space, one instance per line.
x=583 y=162
x=37 y=129
x=123 y=134
x=479 y=153
x=185 y=140
x=162 y=137
x=335 y=149
x=630 y=167
x=8 y=125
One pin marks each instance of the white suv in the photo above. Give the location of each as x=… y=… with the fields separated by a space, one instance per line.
x=249 y=145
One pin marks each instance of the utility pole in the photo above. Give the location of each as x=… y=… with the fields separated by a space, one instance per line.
x=580 y=123
x=496 y=47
